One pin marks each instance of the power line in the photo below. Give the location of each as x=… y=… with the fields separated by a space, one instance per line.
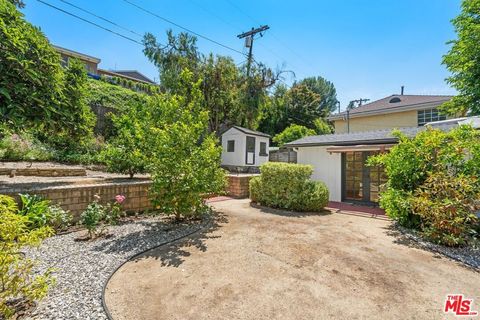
x=90 y=22
x=182 y=27
x=102 y=18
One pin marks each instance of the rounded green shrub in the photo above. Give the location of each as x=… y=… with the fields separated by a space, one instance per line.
x=288 y=186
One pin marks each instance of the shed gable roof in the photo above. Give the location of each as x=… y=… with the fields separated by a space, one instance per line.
x=248 y=131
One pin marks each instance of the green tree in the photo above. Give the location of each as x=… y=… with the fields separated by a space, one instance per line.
x=78 y=114
x=463 y=61
x=185 y=158
x=180 y=52
x=326 y=90
x=322 y=126
x=230 y=96
x=292 y=133
x=18 y=3
x=220 y=88
x=31 y=78
x=274 y=114
x=127 y=152
x=303 y=106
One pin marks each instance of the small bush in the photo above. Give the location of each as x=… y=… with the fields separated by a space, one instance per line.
x=22 y=147
x=433 y=183
x=287 y=186
x=35 y=209
x=91 y=219
x=447 y=208
x=19 y=284
x=59 y=219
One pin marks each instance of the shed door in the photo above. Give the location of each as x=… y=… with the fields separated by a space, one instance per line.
x=250 y=151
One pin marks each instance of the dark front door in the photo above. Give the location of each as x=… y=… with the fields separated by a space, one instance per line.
x=250 y=151
x=359 y=182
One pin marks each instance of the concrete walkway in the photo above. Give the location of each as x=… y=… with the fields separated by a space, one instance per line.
x=256 y=263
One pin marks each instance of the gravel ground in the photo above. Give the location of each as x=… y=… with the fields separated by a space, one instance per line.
x=466 y=255
x=82 y=268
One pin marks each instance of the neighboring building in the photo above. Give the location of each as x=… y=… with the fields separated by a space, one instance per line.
x=91 y=63
x=244 y=150
x=395 y=111
x=132 y=75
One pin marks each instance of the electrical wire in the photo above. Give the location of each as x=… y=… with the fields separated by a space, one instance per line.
x=89 y=22
x=181 y=27
x=101 y=18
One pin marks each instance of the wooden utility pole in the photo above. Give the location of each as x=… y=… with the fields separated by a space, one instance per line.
x=250 y=36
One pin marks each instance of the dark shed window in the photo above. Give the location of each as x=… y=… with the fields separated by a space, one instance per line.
x=263 y=149
x=231 y=146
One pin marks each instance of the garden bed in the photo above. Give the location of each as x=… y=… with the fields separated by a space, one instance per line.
x=82 y=268
x=467 y=255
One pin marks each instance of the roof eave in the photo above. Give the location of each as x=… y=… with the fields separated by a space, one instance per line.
x=387 y=110
x=341 y=143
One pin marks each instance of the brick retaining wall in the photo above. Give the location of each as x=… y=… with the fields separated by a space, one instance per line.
x=238 y=185
x=76 y=198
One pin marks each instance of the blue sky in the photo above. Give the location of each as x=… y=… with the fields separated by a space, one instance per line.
x=368 y=49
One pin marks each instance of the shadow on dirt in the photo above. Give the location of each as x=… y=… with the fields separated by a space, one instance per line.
x=286 y=213
x=173 y=253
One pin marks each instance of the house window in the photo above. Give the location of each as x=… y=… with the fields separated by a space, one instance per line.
x=429 y=115
x=263 y=149
x=231 y=146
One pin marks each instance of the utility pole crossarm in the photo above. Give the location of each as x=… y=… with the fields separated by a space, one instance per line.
x=249 y=35
x=253 y=32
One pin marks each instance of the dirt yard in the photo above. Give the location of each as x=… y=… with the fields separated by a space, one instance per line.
x=266 y=264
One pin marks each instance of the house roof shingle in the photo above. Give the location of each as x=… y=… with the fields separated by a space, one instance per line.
x=364 y=137
x=134 y=74
x=388 y=104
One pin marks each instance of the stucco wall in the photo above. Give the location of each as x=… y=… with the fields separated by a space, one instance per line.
x=237 y=158
x=377 y=122
x=326 y=167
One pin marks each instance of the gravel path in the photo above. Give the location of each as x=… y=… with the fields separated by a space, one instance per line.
x=82 y=268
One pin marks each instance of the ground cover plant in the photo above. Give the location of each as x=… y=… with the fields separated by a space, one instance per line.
x=288 y=186
x=433 y=184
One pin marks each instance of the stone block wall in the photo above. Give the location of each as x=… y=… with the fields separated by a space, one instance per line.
x=76 y=198
x=43 y=172
x=238 y=185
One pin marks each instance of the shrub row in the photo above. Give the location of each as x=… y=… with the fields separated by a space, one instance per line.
x=288 y=186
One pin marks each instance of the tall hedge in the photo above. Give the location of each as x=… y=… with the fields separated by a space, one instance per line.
x=31 y=78
x=288 y=186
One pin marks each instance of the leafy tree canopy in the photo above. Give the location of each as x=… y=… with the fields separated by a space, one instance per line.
x=292 y=133
x=463 y=60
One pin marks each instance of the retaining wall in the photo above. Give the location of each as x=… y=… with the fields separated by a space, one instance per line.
x=77 y=197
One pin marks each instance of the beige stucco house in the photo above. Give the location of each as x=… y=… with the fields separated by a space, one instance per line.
x=395 y=111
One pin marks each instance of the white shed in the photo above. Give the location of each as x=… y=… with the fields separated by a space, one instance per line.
x=243 y=147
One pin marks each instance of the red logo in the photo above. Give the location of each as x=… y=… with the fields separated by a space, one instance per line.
x=459 y=305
